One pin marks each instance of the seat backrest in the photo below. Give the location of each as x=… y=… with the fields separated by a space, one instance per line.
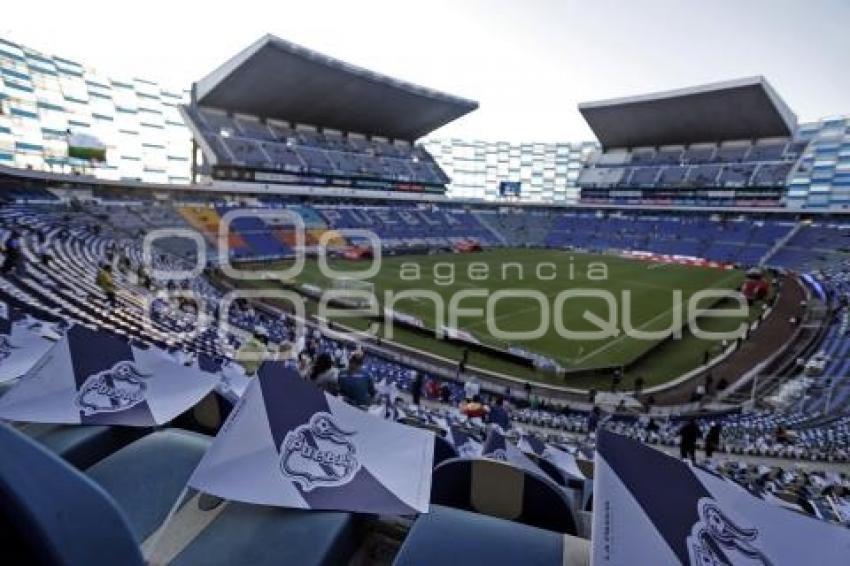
x=551 y=470
x=586 y=467
x=443 y=450
x=59 y=515
x=500 y=489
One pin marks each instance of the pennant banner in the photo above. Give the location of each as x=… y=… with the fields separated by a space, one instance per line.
x=22 y=341
x=464 y=443
x=287 y=443
x=650 y=508
x=565 y=461
x=93 y=377
x=497 y=447
x=232 y=379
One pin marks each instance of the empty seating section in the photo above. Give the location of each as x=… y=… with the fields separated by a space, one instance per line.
x=519 y=228
x=410 y=226
x=771 y=174
x=673 y=176
x=765 y=163
x=744 y=241
x=696 y=154
x=703 y=175
x=815 y=246
x=731 y=153
x=248 y=142
x=271 y=233
x=736 y=175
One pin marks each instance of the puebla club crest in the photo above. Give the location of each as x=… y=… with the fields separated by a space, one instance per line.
x=319 y=454
x=716 y=541
x=115 y=389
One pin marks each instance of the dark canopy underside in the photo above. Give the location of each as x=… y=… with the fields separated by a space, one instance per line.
x=734 y=110
x=276 y=79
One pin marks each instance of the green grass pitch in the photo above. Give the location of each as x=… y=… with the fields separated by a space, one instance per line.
x=549 y=272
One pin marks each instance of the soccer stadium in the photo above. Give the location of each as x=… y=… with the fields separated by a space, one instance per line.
x=273 y=318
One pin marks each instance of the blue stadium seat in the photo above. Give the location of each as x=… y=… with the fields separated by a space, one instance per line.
x=82 y=446
x=551 y=470
x=262 y=535
x=147 y=477
x=126 y=498
x=443 y=450
x=34 y=486
x=502 y=490
x=450 y=536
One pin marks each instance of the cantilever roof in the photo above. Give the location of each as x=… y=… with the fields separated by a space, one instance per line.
x=273 y=78
x=746 y=108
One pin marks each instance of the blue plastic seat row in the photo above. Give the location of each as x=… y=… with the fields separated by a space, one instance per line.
x=59 y=515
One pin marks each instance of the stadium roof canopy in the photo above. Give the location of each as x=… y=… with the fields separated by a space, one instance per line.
x=740 y=109
x=273 y=78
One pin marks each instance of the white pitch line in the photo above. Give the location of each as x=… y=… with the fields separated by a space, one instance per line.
x=617 y=340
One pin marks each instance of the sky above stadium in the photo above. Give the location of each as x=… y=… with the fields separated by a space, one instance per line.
x=528 y=62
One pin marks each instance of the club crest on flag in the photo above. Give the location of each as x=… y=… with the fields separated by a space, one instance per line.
x=715 y=539
x=115 y=389
x=319 y=454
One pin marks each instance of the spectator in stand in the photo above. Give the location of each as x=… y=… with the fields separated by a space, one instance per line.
x=593 y=419
x=253 y=352
x=144 y=279
x=12 y=251
x=689 y=434
x=300 y=343
x=471 y=388
x=432 y=388
x=474 y=408
x=42 y=250
x=712 y=439
x=651 y=426
x=615 y=381
x=416 y=386
x=106 y=284
x=355 y=384
x=781 y=435
x=445 y=393
x=304 y=367
x=498 y=415
x=324 y=374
